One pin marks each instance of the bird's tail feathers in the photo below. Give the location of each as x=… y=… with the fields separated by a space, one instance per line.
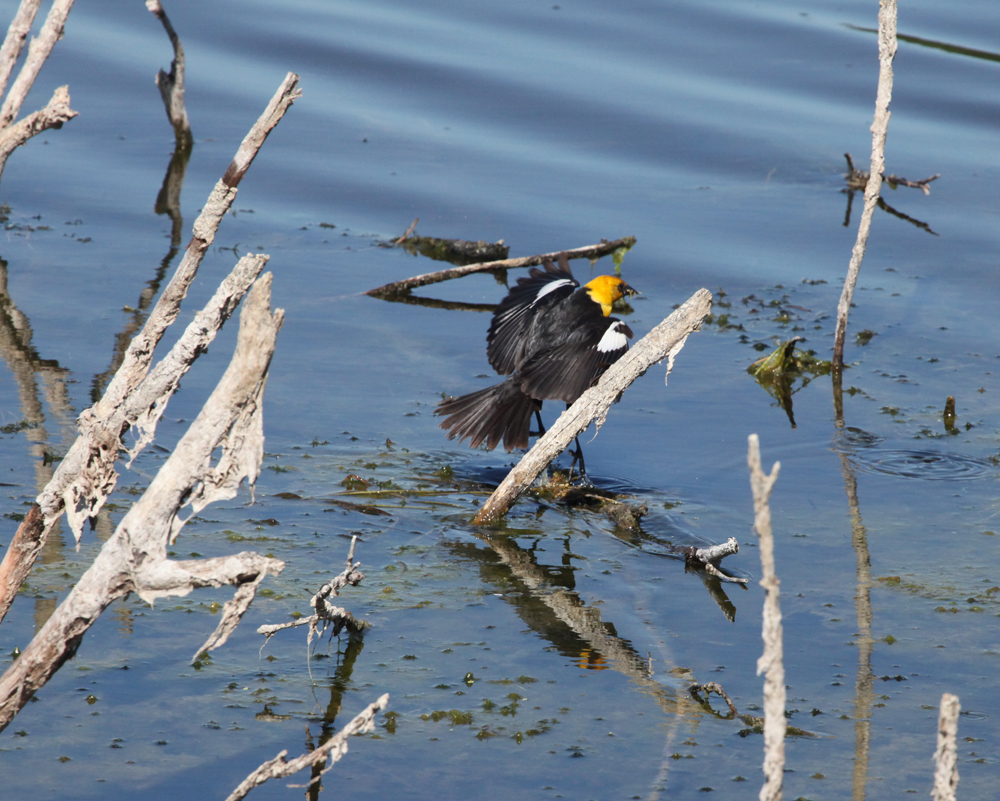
x=501 y=412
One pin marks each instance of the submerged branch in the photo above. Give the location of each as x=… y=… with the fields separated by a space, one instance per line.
x=663 y=342
x=588 y=252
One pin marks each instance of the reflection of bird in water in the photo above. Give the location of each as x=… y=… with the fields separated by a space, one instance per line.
x=553 y=339
x=591 y=660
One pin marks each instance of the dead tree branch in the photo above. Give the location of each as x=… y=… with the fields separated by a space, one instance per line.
x=52 y=116
x=880 y=127
x=135 y=558
x=333 y=749
x=86 y=475
x=38 y=52
x=708 y=559
x=588 y=252
x=946 y=755
x=663 y=342
x=14 y=41
x=326 y=612
x=172 y=86
x=771 y=662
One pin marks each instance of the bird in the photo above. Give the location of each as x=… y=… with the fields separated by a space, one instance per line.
x=553 y=339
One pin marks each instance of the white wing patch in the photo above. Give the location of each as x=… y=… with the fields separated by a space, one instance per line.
x=550 y=287
x=613 y=339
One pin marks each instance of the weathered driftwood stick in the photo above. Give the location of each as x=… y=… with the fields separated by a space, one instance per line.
x=38 y=51
x=880 y=127
x=172 y=86
x=327 y=613
x=134 y=559
x=14 y=41
x=86 y=475
x=663 y=342
x=771 y=662
x=589 y=252
x=946 y=756
x=708 y=559
x=88 y=469
x=333 y=749
x=52 y=116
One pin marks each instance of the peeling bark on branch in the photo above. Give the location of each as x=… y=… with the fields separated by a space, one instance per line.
x=134 y=559
x=86 y=476
x=388 y=291
x=663 y=342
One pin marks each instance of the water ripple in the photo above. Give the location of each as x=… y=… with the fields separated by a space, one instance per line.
x=927 y=465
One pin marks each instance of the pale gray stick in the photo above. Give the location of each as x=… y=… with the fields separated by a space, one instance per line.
x=771 y=662
x=880 y=127
x=13 y=42
x=38 y=51
x=135 y=558
x=946 y=755
x=663 y=342
x=334 y=749
x=53 y=115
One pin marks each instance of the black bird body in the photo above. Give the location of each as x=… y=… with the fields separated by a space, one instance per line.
x=553 y=339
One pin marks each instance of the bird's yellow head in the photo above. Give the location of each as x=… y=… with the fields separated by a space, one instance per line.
x=606 y=289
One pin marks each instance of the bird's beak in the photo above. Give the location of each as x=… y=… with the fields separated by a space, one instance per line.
x=627 y=290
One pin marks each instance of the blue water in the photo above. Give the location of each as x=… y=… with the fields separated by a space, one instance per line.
x=713 y=133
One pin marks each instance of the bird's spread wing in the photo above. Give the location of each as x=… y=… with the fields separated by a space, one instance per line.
x=509 y=341
x=567 y=371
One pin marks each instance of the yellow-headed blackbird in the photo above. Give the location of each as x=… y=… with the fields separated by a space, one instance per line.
x=554 y=339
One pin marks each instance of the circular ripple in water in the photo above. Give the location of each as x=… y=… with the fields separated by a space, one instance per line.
x=928 y=465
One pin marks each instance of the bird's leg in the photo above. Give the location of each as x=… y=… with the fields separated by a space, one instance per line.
x=578 y=457
x=541 y=426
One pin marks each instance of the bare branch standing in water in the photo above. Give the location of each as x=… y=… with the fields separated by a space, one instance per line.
x=86 y=475
x=880 y=127
x=13 y=135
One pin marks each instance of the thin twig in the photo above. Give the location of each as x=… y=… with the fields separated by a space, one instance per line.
x=588 y=252
x=771 y=662
x=946 y=756
x=172 y=85
x=714 y=687
x=408 y=231
x=333 y=749
x=880 y=127
x=663 y=342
